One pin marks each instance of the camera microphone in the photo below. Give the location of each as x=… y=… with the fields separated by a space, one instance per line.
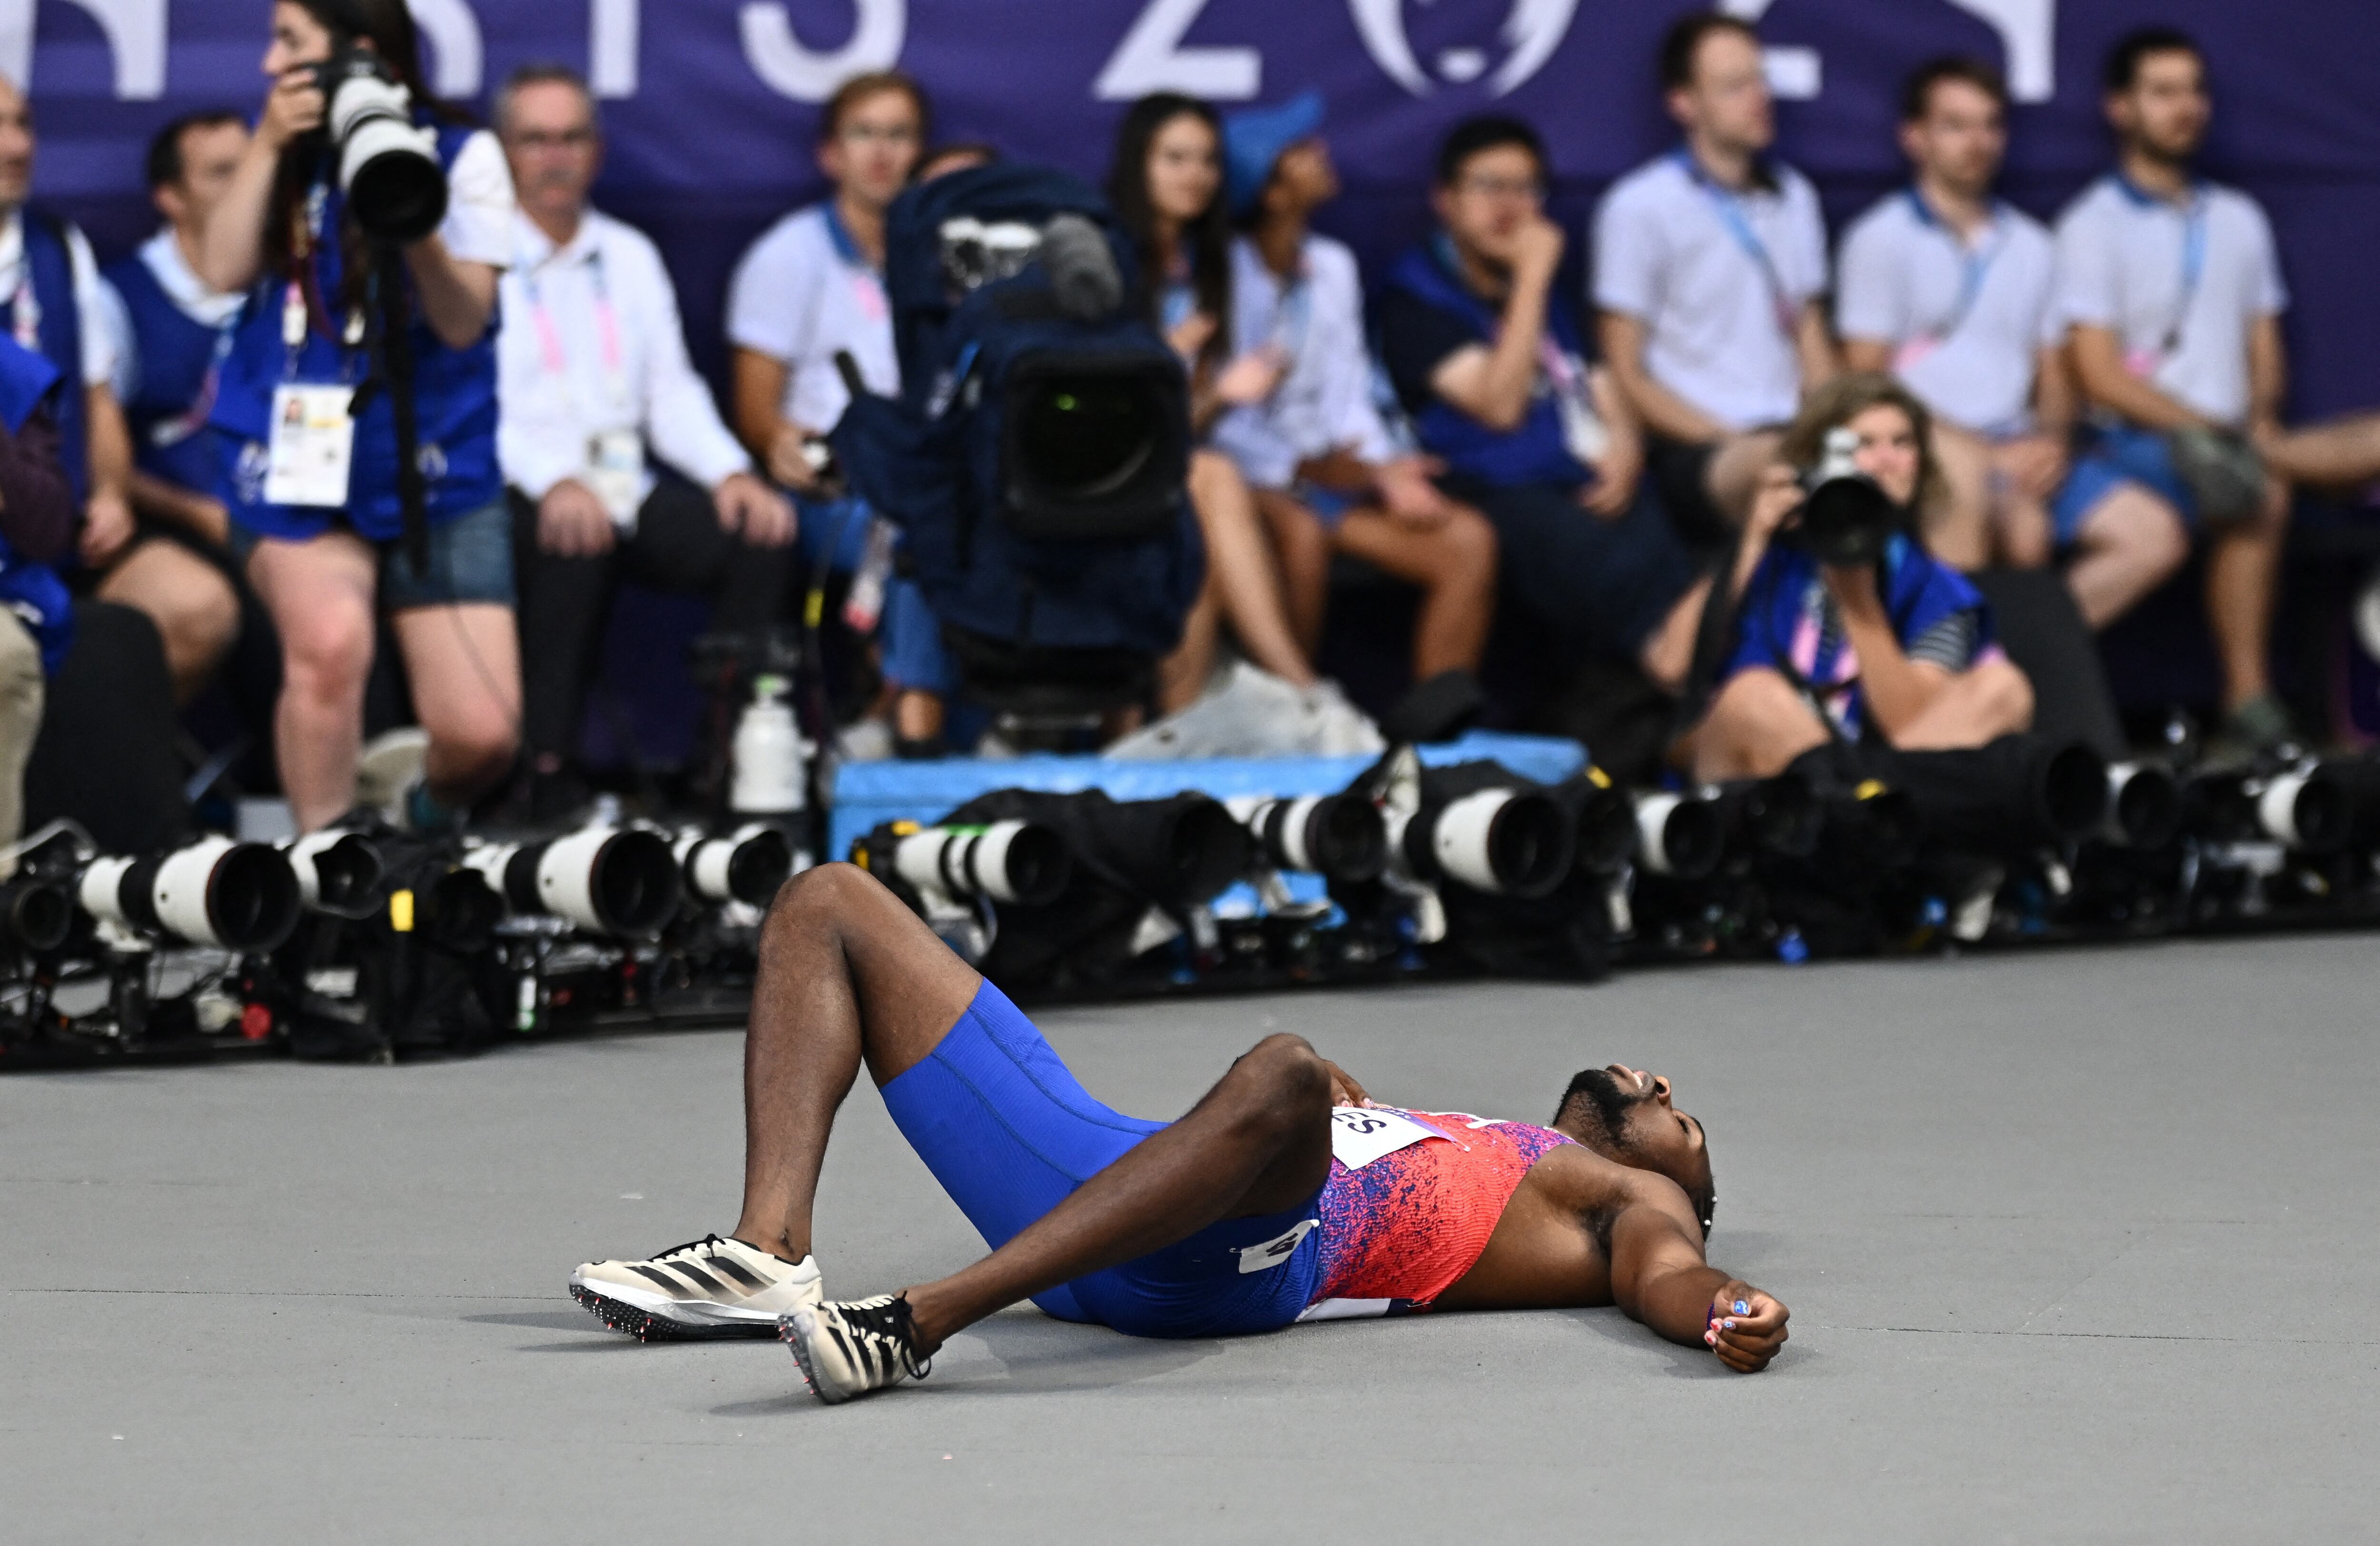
x=1082 y=268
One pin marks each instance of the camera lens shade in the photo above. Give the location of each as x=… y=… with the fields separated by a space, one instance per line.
x=746 y=867
x=2311 y=810
x=1683 y=836
x=1848 y=520
x=1506 y=842
x=238 y=896
x=2074 y=791
x=2144 y=805
x=1023 y=863
x=1341 y=837
x=35 y=915
x=338 y=872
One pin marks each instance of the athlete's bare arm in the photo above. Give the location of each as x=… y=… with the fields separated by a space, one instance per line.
x=1585 y=1230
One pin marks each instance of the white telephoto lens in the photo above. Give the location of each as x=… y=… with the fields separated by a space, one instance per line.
x=1460 y=842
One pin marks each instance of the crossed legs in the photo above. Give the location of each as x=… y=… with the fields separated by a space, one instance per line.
x=849 y=976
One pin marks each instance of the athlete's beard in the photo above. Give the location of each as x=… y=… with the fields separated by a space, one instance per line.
x=1609 y=1103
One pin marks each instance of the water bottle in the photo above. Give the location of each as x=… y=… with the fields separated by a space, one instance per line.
x=769 y=753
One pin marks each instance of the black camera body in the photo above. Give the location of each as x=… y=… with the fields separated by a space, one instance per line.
x=388 y=169
x=1847 y=518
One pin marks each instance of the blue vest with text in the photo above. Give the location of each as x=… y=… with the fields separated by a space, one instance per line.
x=455 y=393
x=49 y=266
x=167 y=410
x=32 y=592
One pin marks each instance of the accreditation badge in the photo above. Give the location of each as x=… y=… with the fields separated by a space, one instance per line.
x=312 y=446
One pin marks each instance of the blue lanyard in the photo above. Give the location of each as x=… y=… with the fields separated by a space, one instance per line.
x=1975 y=263
x=1730 y=209
x=2193 y=251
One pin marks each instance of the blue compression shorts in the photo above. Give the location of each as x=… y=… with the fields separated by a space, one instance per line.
x=1010 y=1134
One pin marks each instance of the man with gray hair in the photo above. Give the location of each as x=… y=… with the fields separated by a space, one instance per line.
x=618 y=461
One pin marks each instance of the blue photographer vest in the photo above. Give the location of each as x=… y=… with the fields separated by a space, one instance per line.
x=49 y=266
x=1536 y=451
x=455 y=393
x=167 y=410
x=32 y=592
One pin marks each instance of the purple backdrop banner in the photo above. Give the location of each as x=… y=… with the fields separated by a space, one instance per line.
x=710 y=104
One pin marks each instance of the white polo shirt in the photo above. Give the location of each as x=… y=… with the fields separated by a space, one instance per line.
x=1966 y=317
x=2179 y=285
x=1323 y=402
x=801 y=294
x=1719 y=278
x=590 y=346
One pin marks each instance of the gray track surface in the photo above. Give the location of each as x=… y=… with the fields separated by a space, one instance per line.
x=2079 y=1246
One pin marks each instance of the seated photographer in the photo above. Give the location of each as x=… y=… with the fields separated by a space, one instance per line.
x=1166 y=187
x=592 y=374
x=1327 y=477
x=1899 y=648
x=317 y=507
x=59 y=306
x=1488 y=360
x=37 y=525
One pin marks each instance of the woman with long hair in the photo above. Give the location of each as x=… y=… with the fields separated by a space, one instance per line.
x=1899 y=650
x=1166 y=185
x=321 y=530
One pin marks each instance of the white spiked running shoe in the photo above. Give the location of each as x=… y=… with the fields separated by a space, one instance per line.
x=855 y=1346
x=706 y=1288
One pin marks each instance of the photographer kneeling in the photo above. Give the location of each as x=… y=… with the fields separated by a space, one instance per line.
x=1845 y=625
x=318 y=498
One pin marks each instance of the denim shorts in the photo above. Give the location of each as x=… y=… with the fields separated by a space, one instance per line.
x=470 y=561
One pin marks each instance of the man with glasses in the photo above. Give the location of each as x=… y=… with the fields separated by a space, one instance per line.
x=1709 y=264
x=1488 y=360
x=595 y=388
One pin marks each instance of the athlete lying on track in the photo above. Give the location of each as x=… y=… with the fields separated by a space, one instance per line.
x=1283 y=1195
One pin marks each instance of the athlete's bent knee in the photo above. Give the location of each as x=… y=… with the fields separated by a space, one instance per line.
x=1286 y=1082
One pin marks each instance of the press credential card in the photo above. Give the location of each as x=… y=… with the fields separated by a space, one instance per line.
x=1361 y=1134
x=313 y=446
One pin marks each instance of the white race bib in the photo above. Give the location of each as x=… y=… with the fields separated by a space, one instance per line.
x=616 y=472
x=313 y=448
x=1361 y=1134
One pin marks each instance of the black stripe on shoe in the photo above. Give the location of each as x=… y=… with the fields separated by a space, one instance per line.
x=676 y=1290
x=730 y=1267
x=702 y=1280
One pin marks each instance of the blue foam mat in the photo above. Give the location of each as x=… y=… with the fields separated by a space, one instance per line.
x=870 y=793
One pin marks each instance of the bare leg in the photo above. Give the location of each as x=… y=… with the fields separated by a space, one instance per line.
x=847 y=975
x=2242 y=570
x=1757 y=725
x=1454 y=563
x=1304 y=549
x=1978 y=705
x=1670 y=654
x=1241 y=568
x=189 y=600
x=1735 y=471
x=1258 y=1143
x=1181 y=676
x=22 y=689
x=463 y=663
x=320 y=593
x=1957 y=526
x=2130 y=543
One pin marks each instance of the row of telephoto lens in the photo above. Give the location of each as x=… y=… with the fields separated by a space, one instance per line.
x=370 y=943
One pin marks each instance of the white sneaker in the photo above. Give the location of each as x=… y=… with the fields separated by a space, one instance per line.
x=390 y=765
x=706 y=1288
x=856 y=1347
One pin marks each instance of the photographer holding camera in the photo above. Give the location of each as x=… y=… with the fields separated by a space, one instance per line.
x=1845 y=625
x=370 y=227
